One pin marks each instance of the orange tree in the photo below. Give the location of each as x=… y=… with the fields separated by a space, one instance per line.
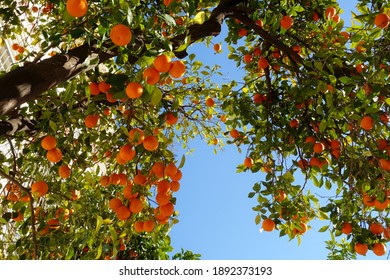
x=112 y=84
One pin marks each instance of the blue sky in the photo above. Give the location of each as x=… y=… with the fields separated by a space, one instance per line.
x=216 y=216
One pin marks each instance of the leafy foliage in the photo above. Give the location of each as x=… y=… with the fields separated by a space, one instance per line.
x=300 y=112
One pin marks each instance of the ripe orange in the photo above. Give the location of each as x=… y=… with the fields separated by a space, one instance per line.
x=318 y=147
x=140 y=179
x=385 y=164
x=259 y=98
x=248 y=58
x=136 y=136
x=361 y=249
x=170 y=170
x=280 y=196
x=294 y=123
x=127 y=152
x=94 y=88
x=91 y=121
x=136 y=206
x=115 y=203
x=162 y=63
x=104 y=181
x=167 y=209
x=158 y=169
x=379 y=205
x=163 y=186
x=379 y=249
x=170 y=118
x=48 y=143
x=19 y=217
x=150 y=143
x=367 y=123
x=39 y=188
x=376 y=228
x=128 y=192
x=139 y=226
x=386 y=233
x=263 y=63
x=268 y=225
x=120 y=35
x=123 y=213
x=77 y=8
x=210 y=102
x=174 y=186
x=330 y=12
x=177 y=70
x=286 y=22
x=346 y=228
x=234 y=133
x=382 y=20
x=54 y=155
x=248 y=162
x=134 y=90
x=242 y=32
x=217 y=47
x=64 y=171
x=151 y=76
x=148 y=225
x=53 y=223
x=162 y=198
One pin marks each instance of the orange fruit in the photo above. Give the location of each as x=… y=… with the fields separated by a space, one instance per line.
x=163 y=186
x=39 y=188
x=330 y=12
x=148 y=225
x=263 y=63
x=158 y=169
x=94 y=88
x=128 y=192
x=134 y=90
x=53 y=223
x=248 y=162
x=167 y=209
x=385 y=164
x=217 y=47
x=177 y=176
x=150 y=143
x=294 y=123
x=127 y=152
x=174 y=186
x=386 y=233
x=151 y=76
x=170 y=170
x=136 y=206
x=115 y=203
x=110 y=97
x=210 y=102
x=177 y=70
x=234 y=133
x=381 y=205
x=19 y=217
x=170 y=118
x=120 y=160
x=64 y=171
x=91 y=121
x=286 y=22
x=280 y=196
x=15 y=46
x=368 y=200
x=140 y=179
x=120 y=35
x=162 y=63
x=346 y=228
x=123 y=213
x=136 y=136
x=139 y=226
x=376 y=228
x=318 y=147
x=242 y=32
x=367 y=123
x=77 y=8
x=361 y=249
x=54 y=155
x=248 y=58
x=48 y=143
x=162 y=198
x=268 y=225
x=259 y=98
x=382 y=20
x=379 y=249
x=104 y=181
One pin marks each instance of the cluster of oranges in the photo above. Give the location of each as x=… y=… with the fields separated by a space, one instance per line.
x=53 y=154
x=132 y=203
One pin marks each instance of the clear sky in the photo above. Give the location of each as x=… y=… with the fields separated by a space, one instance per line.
x=216 y=216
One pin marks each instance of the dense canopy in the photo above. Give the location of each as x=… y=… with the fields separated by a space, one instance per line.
x=103 y=92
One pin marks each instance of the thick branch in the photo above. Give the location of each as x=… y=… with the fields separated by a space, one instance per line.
x=33 y=79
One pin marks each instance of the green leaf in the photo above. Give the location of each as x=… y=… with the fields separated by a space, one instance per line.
x=168 y=19
x=70 y=253
x=53 y=125
x=182 y=161
x=323 y=229
x=99 y=251
x=156 y=96
x=257 y=219
x=99 y=222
